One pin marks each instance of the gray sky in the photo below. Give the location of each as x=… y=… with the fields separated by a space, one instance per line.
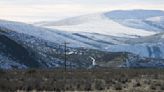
x=40 y=10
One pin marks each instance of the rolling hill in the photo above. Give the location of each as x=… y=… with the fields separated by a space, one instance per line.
x=95 y=40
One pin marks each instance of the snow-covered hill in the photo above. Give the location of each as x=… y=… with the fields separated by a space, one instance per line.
x=134 y=14
x=99 y=35
x=95 y=23
x=23 y=50
x=135 y=31
x=149 y=20
x=12 y=54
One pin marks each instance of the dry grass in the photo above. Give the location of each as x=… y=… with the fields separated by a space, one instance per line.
x=100 y=80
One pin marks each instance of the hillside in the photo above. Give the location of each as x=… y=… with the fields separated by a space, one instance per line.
x=135 y=31
x=27 y=46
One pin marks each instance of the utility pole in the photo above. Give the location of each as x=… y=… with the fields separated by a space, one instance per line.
x=65 y=55
x=65 y=61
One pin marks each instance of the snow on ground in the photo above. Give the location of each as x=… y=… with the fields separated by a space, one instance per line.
x=156 y=19
x=51 y=35
x=146 y=50
x=92 y=31
x=138 y=24
x=93 y=61
x=101 y=24
x=7 y=63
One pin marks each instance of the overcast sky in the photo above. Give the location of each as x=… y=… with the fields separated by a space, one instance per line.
x=40 y=10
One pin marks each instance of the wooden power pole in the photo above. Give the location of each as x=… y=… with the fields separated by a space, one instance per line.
x=65 y=55
x=65 y=61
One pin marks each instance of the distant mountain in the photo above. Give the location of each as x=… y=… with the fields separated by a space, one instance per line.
x=95 y=40
x=134 y=14
x=138 y=19
x=150 y=20
x=20 y=50
x=95 y=23
x=12 y=54
x=122 y=29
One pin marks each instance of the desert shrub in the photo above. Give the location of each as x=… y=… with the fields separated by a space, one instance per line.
x=118 y=87
x=123 y=80
x=7 y=86
x=148 y=81
x=3 y=85
x=60 y=85
x=157 y=84
x=69 y=86
x=153 y=87
x=78 y=86
x=162 y=87
x=137 y=84
x=156 y=76
x=100 y=84
x=31 y=71
x=84 y=85
x=88 y=87
x=2 y=72
x=79 y=80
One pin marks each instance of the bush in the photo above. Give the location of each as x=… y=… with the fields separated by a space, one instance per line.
x=100 y=84
x=2 y=72
x=118 y=87
x=138 y=84
x=31 y=71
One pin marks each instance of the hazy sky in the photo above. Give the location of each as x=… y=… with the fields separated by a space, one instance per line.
x=39 y=10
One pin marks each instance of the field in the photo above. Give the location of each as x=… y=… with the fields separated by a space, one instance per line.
x=99 y=80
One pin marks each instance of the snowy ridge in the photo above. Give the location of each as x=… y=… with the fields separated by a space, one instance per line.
x=135 y=31
x=156 y=19
x=139 y=19
x=46 y=34
x=8 y=63
x=99 y=32
x=133 y=14
x=100 y=24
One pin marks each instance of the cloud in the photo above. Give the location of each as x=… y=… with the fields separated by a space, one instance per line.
x=23 y=10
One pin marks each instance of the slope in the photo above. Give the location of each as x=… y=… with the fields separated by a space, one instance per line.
x=96 y=23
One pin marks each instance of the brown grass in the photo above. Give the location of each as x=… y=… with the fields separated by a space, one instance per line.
x=107 y=80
